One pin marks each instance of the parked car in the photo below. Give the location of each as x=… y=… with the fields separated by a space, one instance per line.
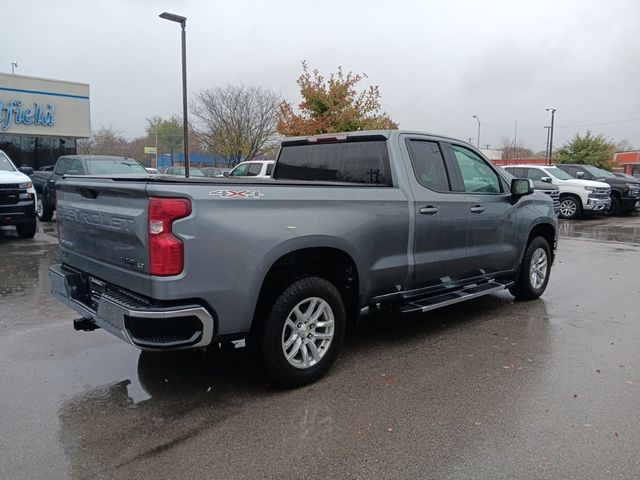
x=215 y=171
x=45 y=181
x=625 y=193
x=577 y=197
x=180 y=171
x=397 y=218
x=253 y=168
x=17 y=199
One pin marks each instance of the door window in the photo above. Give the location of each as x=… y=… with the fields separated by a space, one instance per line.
x=62 y=166
x=76 y=165
x=428 y=164
x=517 y=172
x=478 y=177
x=535 y=174
x=240 y=170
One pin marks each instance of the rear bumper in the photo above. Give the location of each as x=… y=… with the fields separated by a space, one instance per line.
x=18 y=214
x=136 y=320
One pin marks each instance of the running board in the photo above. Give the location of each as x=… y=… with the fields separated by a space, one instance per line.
x=450 y=298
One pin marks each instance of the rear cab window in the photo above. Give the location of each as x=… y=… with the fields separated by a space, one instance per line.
x=254 y=169
x=360 y=160
x=428 y=164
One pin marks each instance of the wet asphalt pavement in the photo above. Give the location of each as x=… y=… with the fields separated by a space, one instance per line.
x=490 y=389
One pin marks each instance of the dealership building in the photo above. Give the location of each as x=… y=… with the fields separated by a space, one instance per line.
x=41 y=119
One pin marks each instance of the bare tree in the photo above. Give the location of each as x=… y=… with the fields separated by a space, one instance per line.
x=106 y=141
x=514 y=151
x=235 y=122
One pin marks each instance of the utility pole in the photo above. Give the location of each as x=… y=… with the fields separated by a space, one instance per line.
x=553 y=113
x=546 y=150
x=14 y=65
x=515 y=141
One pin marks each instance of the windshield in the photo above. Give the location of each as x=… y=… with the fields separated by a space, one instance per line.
x=114 y=166
x=557 y=173
x=5 y=163
x=599 y=172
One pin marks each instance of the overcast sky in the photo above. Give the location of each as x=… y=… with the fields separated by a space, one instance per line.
x=437 y=63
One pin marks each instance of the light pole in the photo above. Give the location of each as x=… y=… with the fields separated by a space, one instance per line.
x=14 y=65
x=546 y=150
x=183 y=23
x=478 y=119
x=553 y=113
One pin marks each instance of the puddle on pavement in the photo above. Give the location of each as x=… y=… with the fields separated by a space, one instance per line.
x=603 y=229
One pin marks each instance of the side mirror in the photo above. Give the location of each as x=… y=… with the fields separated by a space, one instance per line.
x=225 y=174
x=27 y=170
x=521 y=187
x=546 y=179
x=72 y=172
x=579 y=174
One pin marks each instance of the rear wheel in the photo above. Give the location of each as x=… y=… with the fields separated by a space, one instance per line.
x=570 y=207
x=43 y=209
x=27 y=230
x=533 y=275
x=303 y=332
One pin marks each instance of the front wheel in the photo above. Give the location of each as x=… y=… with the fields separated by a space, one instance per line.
x=570 y=207
x=303 y=332
x=533 y=275
x=43 y=209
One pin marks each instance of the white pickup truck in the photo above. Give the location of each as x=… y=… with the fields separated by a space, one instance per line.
x=17 y=197
x=577 y=196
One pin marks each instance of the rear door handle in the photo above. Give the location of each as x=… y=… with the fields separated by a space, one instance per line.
x=429 y=210
x=477 y=209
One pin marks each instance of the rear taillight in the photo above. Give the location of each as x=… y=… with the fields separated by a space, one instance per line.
x=166 y=251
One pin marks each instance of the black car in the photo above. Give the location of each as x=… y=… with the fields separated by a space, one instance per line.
x=625 y=193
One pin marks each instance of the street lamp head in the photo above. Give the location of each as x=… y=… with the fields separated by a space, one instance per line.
x=173 y=18
x=475 y=116
x=551 y=110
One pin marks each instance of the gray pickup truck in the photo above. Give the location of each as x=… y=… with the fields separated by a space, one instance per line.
x=411 y=220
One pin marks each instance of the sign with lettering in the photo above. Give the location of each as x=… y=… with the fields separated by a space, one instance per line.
x=41 y=106
x=14 y=112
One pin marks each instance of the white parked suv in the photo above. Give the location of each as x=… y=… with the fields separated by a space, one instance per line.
x=252 y=168
x=577 y=196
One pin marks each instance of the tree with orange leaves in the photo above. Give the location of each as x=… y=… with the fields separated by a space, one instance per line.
x=334 y=105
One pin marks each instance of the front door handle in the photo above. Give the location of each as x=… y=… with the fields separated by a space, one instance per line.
x=477 y=209
x=429 y=210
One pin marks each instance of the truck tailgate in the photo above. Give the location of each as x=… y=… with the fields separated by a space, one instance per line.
x=103 y=230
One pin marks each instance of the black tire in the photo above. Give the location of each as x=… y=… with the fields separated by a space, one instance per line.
x=271 y=336
x=614 y=209
x=43 y=209
x=572 y=207
x=524 y=289
x=27 y=230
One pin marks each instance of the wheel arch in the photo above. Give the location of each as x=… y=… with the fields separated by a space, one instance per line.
x=332 y=260
x=546 y=231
